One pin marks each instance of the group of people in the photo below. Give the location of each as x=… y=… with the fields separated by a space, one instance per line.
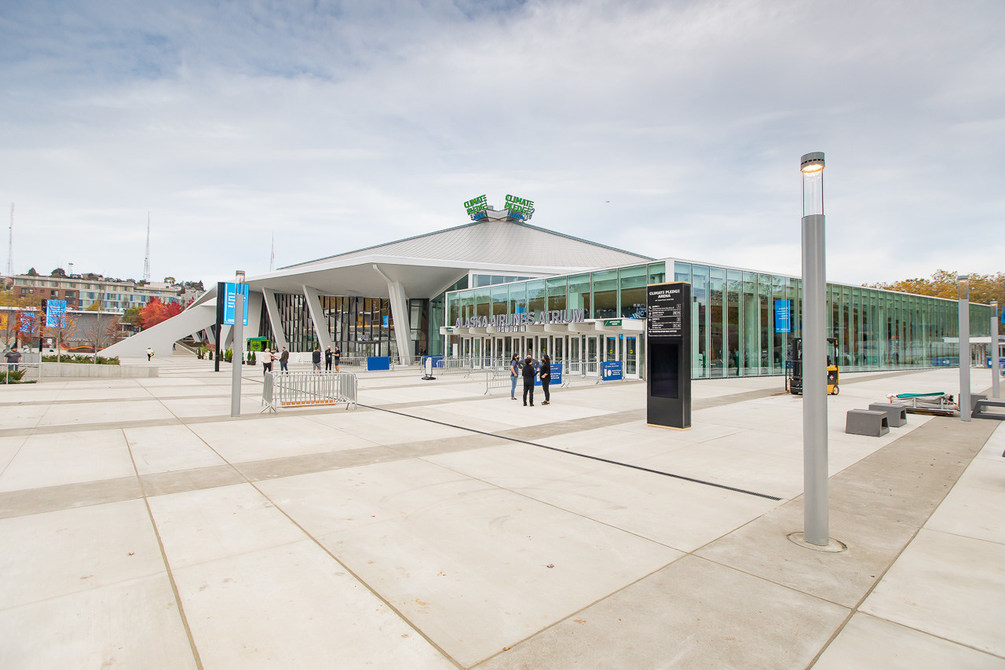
x=270 y=355
x=332 y=357
x=528 y=369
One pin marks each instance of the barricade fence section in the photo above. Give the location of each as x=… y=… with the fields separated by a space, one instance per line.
x=497 y=379
x=309 y=389
x=14 y=373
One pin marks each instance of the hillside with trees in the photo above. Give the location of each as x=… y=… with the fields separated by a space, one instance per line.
x=943 y=284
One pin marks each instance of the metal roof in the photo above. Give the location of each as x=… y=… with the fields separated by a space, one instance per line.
x=495 y=241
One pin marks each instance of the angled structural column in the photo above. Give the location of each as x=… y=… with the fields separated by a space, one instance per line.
x=272 y=309
x=399 y=312
x=318 y=317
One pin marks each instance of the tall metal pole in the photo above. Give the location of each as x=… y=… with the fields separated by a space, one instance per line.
x=237 y=356
x=964 y=313
x=816 y=516
x=995 y=360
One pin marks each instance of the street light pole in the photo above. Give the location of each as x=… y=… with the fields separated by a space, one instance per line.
x=237 y=355
x=995 y=361
x=816 y=521
x=964 y=314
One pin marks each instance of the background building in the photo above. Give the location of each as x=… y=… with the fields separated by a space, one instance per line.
x=112 y=295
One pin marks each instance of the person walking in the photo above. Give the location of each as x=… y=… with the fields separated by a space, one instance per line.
x=514 y=374
x=267 y=357
x=545 y=374
x=316 y=358
x=336 y=356
x=150 y=353
x=528 y=380
x=328 y=359
x=284 y=361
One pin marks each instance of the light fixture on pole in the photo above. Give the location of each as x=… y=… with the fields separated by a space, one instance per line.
x=816 y=521
x=237 y=354
x=963 y=282
x=995 y=351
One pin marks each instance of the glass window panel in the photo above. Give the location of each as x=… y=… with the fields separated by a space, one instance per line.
x=633 y=291
x=579 y=293
x=657 y=273
x=605 y=294
x=557 y=287
x=682 y=271
x=535 y=295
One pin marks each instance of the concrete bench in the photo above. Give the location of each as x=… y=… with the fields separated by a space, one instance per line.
x=896 y=414
x=866 y=422
x=981 y=409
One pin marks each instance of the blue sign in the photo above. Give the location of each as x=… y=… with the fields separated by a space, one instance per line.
x=378 y=363
x=386 y=324
x=556 y=375
x=783 y=316
x=55 y=313
x=229 y=300
x=610 y=371
x=1001 y=363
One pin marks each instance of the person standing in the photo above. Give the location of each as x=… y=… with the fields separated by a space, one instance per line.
x=514 y=373
x=545 y=374
x=316 y=358
x=150 y=353
x=528 y=380
x=267 y=360
x=284 y=361
x=328 y=359
x=13 y=357
x=336 y=356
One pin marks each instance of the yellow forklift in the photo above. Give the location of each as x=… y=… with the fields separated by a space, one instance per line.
x=794 y=368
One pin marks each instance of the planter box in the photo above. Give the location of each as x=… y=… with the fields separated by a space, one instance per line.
x=52 y=370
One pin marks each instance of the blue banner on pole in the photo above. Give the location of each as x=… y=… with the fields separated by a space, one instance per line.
x=229 y=302
x=783 y=316
x=55 y=313
x=610 y=371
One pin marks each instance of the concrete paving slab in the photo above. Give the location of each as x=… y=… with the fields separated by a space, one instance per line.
x=49 y=555
x=136 y=409
x=869 y=642
x=384 y=427
x=169 y=448
x=205 y=525
x=403 y=528
x=293 y=606
x=288 y=435
x=734 y=620
x=51 y=460
x=976 y=505
x=680 y=514
x=949 y=586
x=21 y=416
x=129 y=624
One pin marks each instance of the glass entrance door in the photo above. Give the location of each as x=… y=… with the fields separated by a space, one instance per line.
x=630 y=356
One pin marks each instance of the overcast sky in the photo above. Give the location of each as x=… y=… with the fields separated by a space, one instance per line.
x=666 y=128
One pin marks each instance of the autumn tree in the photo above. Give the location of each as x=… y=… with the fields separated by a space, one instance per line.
x=102 y=331
x=943 y=284
x=156 y=311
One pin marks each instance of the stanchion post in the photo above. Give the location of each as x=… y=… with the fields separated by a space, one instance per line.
x=995 y=356
x=964 y=313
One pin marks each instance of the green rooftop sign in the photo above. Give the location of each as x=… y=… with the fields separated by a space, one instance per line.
x=476 y=207
x=520 y=206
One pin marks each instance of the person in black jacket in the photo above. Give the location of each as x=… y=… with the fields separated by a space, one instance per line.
x=528 y=380
x=316 y=359
x=328 y=359
x=545 y=374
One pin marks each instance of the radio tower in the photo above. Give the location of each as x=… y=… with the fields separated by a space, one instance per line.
x=10 y=244
x=146 y=259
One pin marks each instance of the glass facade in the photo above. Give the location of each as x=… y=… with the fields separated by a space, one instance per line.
x=736 y=316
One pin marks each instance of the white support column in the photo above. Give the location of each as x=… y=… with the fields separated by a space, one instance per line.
x=317 y=316
x=399 y=312
x=272 y=309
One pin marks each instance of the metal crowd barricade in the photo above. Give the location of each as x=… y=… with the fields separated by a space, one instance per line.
x=459 y=365
x=497 y=379
x=309 y=389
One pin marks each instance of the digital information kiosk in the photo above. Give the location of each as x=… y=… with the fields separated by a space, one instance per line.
x=668 y=357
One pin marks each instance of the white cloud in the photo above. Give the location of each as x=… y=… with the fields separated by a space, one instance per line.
x=668 y=128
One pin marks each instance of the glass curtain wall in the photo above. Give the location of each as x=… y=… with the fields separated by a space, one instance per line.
x=735 y=316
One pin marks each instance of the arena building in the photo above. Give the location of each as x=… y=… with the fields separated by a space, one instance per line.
x=499 y=285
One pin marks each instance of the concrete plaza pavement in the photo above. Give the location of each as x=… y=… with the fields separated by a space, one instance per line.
x=438 y=527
